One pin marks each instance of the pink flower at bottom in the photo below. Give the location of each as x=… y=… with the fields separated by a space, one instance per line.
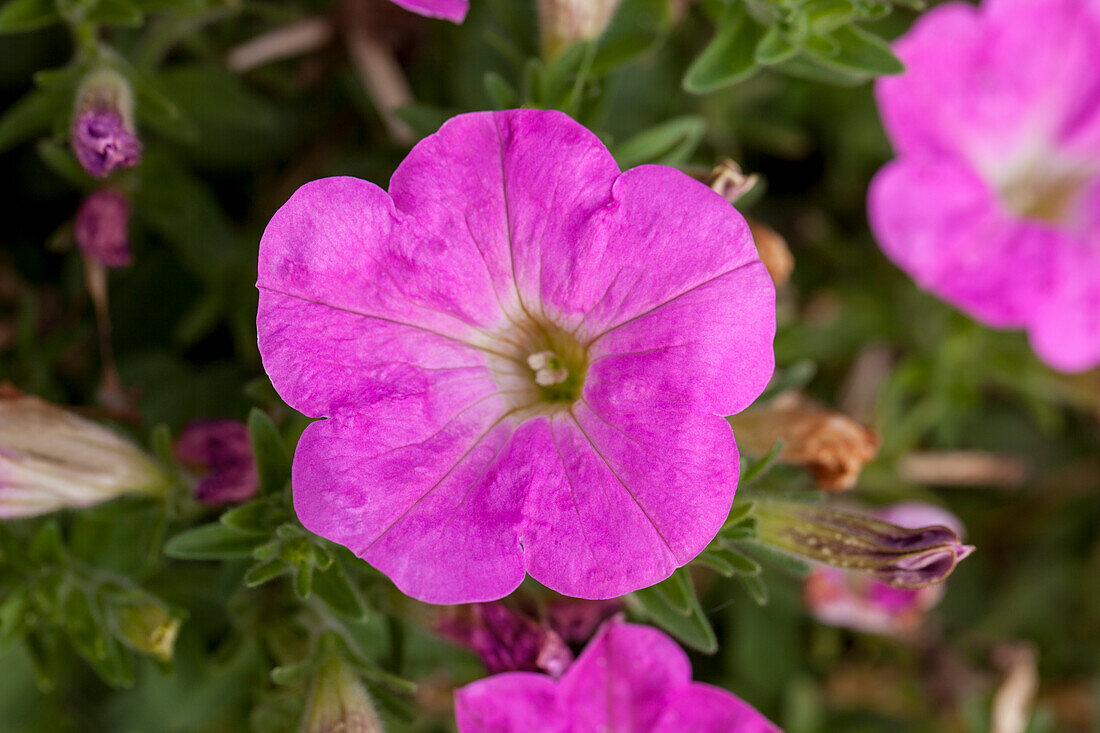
x=452 y=10
x=102 y=226
x=629 y=679
x=523 y=355
x=856 y=601
x=993 y=203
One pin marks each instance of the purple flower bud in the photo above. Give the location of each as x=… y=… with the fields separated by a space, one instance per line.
x=859 y=601
x=902 y=557
x=102 y=134
x=506 y=640
x=221 y=449
x=101 y=228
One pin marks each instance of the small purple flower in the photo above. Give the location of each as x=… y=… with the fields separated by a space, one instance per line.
x=221 y=449
x=506 y=640
x=452 y=10
x=102 y=135
x=994 y=200
x=630 y=678
x=101 y=228
x=524 y=356
x=102 y=142
x=854 y=600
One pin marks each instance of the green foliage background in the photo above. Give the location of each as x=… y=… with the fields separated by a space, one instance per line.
x=779 y=85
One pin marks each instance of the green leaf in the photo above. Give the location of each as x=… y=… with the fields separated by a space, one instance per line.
x=116 y=12
x=796 y=376
x=677 y=590
x=500 y=92
x=741 y=564
x=272 y=457
x=714 y=560
x=762 y=466
x=634 y=29
x=740 y=510
x=859 y=52
x=691 y=628
x=333 y=587
x=781 y=560
x=774 y=47
x=47 y=547
x=303 y=579
x=18 y=16
x=424 y=119
x=255 y=517
x=13 y=617
x=729 y=58
x=211 y=542
x=756 y=588
x=30 y=116
x=58 y=159
x=262 y=572
x=291 y=674
x=743 y=530
x=669 y=143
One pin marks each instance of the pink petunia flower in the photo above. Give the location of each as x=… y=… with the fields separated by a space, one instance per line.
x=629 y=678
x=994 y=201
x=222 y=452
x=856 y=601
x=524 y=356
x=452 y=10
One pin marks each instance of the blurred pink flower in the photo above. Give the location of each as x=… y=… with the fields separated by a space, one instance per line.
x=994 y=200
x=506 y=640
x=101 y=228
x=523 y=354
x=222 y=452
x=630 y=678
x=854 y=600
x=102 y=135
x=452 y=10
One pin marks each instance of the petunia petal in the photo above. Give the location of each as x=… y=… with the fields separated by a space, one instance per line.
x=586 y=534
x=511 y=185
x=942 y=225
x=720 y=332
x=452 y=10
x=417 y=492
x=708 y=709
x=1065 y=331
x=662 y=236
x=515 y=702
x=967 y=93
x=624 y=679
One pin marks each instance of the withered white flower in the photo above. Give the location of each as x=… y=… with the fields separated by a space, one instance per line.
x=51 y=459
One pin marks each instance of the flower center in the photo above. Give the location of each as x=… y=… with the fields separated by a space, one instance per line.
x=1045 y=190
x=539 y=366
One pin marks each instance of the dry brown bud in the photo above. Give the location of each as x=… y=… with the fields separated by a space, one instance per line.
x=832 y=446
x=773 y=251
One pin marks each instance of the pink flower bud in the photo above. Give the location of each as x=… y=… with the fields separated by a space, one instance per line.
x=507 y=640
x=102 y=134
x=101 y=228
x=221 y=450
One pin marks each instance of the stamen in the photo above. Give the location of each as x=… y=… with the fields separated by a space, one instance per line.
x=548 y=367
